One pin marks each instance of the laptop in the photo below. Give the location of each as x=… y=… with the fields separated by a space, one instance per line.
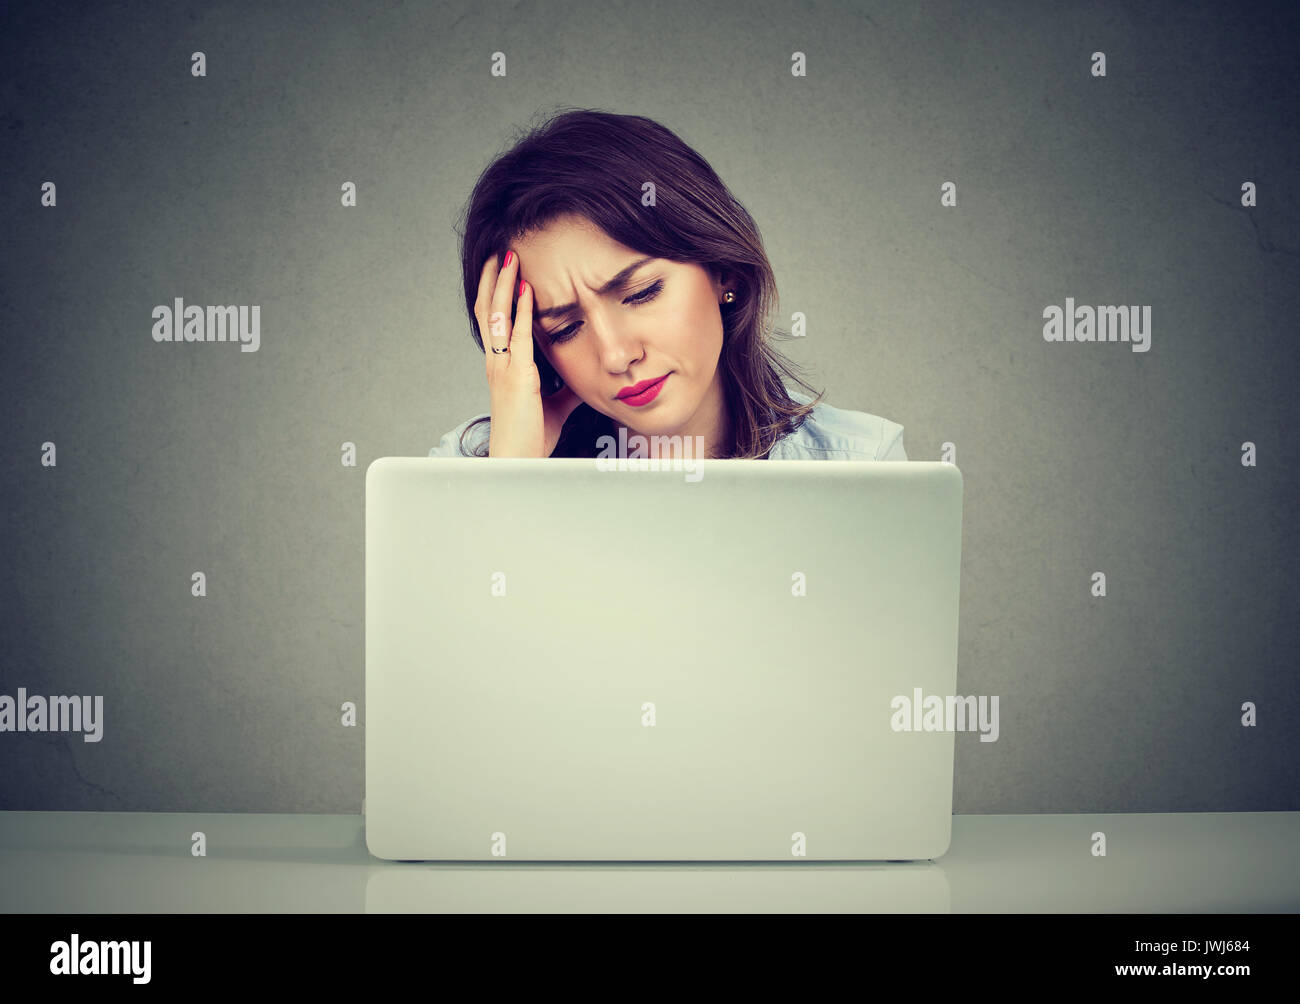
x=572 y=661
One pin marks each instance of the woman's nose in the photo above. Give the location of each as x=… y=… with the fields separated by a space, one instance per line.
x=617 y=346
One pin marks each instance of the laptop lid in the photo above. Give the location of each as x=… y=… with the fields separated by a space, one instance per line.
x=570 y=663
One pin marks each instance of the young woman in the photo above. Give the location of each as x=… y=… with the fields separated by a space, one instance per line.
x=622 y=286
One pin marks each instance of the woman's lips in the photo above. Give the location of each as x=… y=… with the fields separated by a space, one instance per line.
x=647 y=395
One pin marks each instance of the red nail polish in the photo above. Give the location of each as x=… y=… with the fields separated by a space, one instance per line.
x=520 y=291
x=510 y=256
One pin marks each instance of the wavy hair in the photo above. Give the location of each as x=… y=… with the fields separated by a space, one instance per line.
x=592 y=164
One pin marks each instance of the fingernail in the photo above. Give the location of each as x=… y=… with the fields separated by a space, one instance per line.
x=510 y=256
x=520 y=290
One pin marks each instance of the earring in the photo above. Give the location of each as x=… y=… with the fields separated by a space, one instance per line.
x=728 y=297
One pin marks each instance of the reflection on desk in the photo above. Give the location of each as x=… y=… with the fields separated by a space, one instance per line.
x=127 y=862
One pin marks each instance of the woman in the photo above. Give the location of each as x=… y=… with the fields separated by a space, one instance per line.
x=615 y=247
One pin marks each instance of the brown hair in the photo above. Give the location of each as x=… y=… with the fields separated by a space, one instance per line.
x=592 y=164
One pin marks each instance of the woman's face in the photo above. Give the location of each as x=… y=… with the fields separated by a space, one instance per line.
x=662 y=318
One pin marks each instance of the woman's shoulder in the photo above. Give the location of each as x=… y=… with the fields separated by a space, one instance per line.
x=449 y=445
x=830 y=433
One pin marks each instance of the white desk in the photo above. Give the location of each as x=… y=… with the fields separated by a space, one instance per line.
x=123 y=862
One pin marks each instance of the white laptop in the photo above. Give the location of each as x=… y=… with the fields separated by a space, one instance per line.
x=566 y=662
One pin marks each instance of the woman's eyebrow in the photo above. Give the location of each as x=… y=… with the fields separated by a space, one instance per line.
x=613 y=283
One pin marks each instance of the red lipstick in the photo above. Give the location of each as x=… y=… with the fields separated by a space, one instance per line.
x=638 y=394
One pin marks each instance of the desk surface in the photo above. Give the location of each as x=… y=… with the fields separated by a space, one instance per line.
x=126 y=862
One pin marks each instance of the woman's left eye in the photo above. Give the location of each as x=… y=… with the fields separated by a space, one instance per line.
x=647 y=294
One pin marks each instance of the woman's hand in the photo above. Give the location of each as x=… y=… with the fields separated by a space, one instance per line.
x=523 y=423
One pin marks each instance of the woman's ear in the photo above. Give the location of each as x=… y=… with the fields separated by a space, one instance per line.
x=719 y=280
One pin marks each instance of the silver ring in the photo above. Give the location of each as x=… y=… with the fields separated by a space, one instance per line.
x=499 y=351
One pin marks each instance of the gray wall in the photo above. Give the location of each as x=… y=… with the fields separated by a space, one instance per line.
x=1077 y=458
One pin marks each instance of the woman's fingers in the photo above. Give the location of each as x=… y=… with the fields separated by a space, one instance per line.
x=519 y=421
x=487 y=281
x=499 y=309
x=498 y=340
x=521 y=343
